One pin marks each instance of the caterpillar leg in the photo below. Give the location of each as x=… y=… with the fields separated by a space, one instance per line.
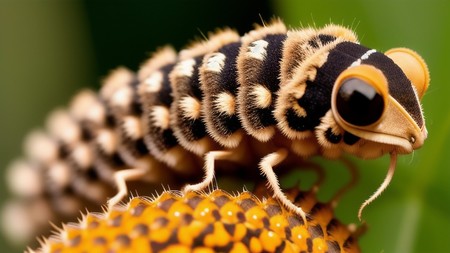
x=210 y=158
x=266 y=166
x=121 y=177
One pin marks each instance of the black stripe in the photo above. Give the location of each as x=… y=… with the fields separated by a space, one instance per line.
x=163 y=140
x=227 y=82
x=269 y=78
x=317 y=98
x=192 y=129
x=399 y=85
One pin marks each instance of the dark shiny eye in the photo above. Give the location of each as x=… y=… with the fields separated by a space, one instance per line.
x=358 y=103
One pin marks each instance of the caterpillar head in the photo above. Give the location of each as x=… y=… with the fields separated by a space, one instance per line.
x=378 y=100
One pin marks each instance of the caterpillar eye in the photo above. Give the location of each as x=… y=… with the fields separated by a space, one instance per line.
x=358 y=103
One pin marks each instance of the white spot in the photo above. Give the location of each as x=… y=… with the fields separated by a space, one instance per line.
x=82 y=103
x=356 y=63
x=133 y=127
x=59 y=174
x=96 y=113
x=365 y=56
x=107 y=141
x=262 y=95
x=82 y=154
x=87 y=107
x=24 y=180
x=122 y=97
x=153 y=83
x=191 y=107
x=160 y=116
x=41 y=147
x=215 y=62
x=63 y=127
x=19 y=220
x=257 y=49
x=225 y=103
x=185 y=68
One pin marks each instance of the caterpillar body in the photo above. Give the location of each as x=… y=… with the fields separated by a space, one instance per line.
x=207 y=222
x=272 y=97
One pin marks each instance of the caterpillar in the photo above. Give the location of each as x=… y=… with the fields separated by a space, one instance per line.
x=272 y=97
x=216 y=221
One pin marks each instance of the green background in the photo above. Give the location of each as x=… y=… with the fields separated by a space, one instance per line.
x=49 y=49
